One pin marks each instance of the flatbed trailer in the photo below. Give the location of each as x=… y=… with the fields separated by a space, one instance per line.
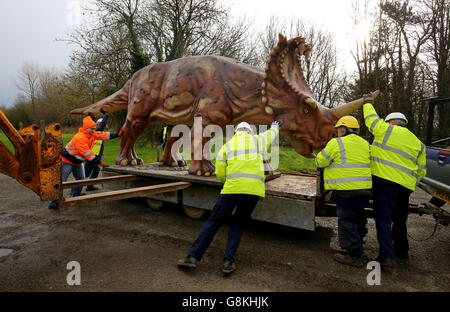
x=290 y=200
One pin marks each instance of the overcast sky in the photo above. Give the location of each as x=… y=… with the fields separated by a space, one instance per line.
x=28 y=29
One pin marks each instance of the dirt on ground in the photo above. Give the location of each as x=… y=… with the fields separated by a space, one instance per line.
x=126 y=246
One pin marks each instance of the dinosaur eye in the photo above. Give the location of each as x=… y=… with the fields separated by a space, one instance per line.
x=306 y=111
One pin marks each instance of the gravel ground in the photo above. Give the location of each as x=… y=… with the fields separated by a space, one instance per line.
x=125 y=246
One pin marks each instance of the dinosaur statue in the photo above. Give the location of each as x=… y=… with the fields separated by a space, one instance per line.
x=223 y=91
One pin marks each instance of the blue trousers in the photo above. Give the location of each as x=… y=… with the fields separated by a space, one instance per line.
x=391 y=212
x=224 y=207
x=352 y=222
x=91 y=171
x=78 y=174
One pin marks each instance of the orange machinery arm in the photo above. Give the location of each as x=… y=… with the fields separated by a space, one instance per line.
x=36 y=163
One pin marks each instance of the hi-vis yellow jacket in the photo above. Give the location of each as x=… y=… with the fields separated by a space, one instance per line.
x=239 y=162
x=397 y=154
x=347 y=163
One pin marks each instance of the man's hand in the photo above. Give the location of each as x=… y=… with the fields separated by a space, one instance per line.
x=368 y=98
x=96 y=160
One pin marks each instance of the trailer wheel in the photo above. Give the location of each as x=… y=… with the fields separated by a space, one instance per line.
x=194 y=213
x=154 y=204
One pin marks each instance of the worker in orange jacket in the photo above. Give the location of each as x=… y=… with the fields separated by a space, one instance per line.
x=79 y=150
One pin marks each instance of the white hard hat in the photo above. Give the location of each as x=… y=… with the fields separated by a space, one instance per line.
x=99 y=120
x=396 y=115
x=243 y=126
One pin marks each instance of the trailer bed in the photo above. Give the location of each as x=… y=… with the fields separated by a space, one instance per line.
x=290 y=198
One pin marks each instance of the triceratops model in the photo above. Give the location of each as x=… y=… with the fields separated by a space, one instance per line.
x=223 y=91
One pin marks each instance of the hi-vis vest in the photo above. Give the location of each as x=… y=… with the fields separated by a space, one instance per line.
x=397 y=154
x=239 y=163
x=97 y=147
x=347 y=163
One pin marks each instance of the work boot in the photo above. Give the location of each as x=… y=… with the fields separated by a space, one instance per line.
x=402 y=258
x=53 y=205
x=91 y=188
x=351 y=260
x=189 y=262
x=387 y=264
x=228 y=267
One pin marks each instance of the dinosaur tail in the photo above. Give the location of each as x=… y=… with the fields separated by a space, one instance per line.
x=113 y=103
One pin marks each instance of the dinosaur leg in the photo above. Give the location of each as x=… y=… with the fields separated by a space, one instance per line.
x=131 y=131
x=200 y=167
x=169 y=158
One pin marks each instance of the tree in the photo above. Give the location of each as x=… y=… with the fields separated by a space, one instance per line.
x=28 y=82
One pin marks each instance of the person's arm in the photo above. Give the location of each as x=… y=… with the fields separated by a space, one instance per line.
x=98 y=135
x=85 y=151
x=221 y=164
x=374 y=123
x=422 y=162
x=267 y=137
x=102 y=125
x=325 y=157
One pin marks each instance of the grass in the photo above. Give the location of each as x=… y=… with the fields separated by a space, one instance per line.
x=289 y=160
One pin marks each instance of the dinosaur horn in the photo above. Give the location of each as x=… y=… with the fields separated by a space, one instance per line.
x=348 y=108
x=311 y=102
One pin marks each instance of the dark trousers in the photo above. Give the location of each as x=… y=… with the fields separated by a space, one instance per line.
x=225 y=204
x=352 y=221
x=91 y=171
x=391 y=212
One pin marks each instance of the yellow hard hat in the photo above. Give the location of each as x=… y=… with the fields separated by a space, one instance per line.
x=348 y=121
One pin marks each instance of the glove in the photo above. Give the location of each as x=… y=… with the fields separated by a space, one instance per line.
x=102 y=111
x=120 y=133
x=96 y=160
x=103 y=164
x=275 y=124
x=368 y=98
x=92 y=116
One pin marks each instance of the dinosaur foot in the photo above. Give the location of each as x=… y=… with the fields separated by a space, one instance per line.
x=129 y=161
x=170 y=162
x=201 y=168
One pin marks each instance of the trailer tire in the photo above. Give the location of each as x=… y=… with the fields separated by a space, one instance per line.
x=194 y=213
x=154 y=204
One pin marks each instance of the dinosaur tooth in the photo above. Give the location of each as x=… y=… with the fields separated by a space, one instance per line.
x=269 y=60
x=264 y=100
x=263 y=92
x=263 y=85
x=267 y=68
